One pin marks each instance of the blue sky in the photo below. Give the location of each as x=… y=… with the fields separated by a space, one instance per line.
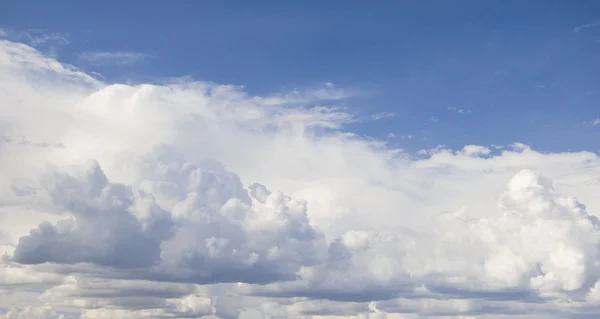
x=453 y=72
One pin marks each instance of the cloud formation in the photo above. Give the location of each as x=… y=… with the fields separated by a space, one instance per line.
x=101 y=58
x=585 y=26
x=191 y=199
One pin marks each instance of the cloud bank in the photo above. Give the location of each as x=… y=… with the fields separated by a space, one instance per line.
x=191 y=199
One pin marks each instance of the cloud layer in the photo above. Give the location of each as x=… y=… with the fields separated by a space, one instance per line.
x=188 y=199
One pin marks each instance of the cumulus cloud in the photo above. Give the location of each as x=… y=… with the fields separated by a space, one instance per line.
x=183 y=222
x=540 y=245
x=41 y=312
x=192 y=199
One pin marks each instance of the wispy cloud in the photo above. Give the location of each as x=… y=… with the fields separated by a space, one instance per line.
x=99 y=58
x=596 y=122
x=36 y=37
x=458 y=110
x=582 y=27
x=402 y=137
x=382 y=115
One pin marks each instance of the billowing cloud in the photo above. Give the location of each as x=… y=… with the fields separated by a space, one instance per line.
x=41 y=312
x=183 y=222
x=190 y=199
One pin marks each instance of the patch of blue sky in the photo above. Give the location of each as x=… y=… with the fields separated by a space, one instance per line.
x=448 y=72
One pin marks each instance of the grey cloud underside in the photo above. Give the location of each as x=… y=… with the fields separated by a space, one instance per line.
x=196 y=223
x=209 y=230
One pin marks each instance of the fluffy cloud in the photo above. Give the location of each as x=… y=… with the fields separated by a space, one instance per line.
x=41 y=312
x=149 y=201
x=183 y=222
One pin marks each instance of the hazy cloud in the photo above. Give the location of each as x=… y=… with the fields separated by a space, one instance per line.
x=102 y=58
x=585 y=26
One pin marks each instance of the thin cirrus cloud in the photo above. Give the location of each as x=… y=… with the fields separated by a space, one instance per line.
x=103 y=58
x=195 y=199
x=585 y=26
x=38 y=38
x=42 y=37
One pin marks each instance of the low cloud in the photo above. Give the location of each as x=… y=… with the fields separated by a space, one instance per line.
x=192 y=199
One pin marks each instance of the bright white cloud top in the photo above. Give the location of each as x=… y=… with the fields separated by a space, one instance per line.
x=194 y=199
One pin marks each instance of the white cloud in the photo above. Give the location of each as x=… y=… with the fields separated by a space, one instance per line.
x=383 y=115
x=476 y=150
x=585 y=26
x=596 y=122
x=100 y=58
x=459 y=110
x=36 y=37
x=152 y=208
x=407 y=137
x=40 y=312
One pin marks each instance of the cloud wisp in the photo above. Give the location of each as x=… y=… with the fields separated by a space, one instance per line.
x=586 y=26
x=195 y=199
x=104 y=58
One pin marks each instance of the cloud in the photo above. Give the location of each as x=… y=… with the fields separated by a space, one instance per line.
x=476 y=150
x=585 y=26
x=459 y=110
x=190 y=199
x=41 y=312
x=102 y=58
x=596 y=122
x=540 y=245
x=40 y=37
x=49 y=42
x=383 y=115
x=213 y=231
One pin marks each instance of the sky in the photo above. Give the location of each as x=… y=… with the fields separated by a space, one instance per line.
x=313 y=160
x=501 y=62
